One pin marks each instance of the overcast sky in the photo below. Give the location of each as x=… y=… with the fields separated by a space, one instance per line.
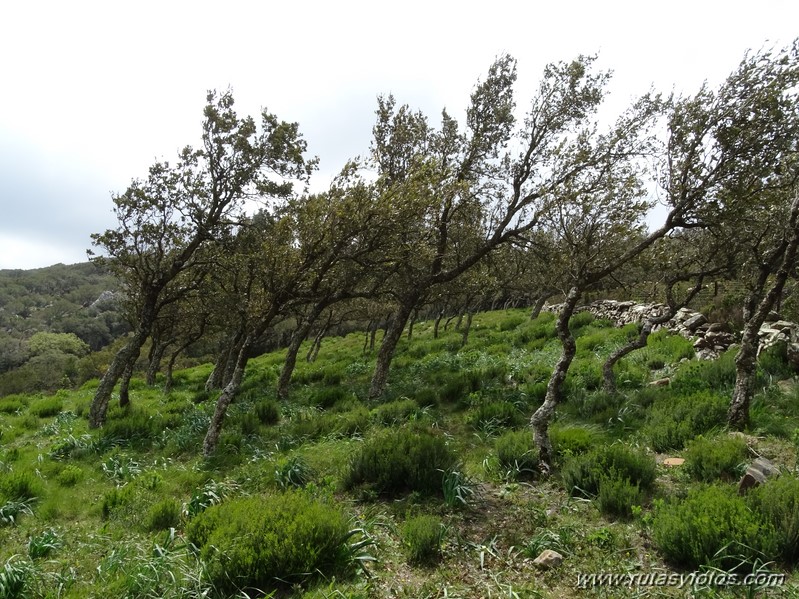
x=94 y=92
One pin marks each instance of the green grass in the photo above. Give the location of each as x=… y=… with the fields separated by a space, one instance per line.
x=109 y=512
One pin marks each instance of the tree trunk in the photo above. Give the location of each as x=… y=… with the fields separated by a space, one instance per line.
x=539 y=305
x=372 y=338
x=437 y=323
x=154 y=364
x=458 y=322
x=410 y=326
x=170 y=367
x=129 y=353
x=124 y=384
x=225 y=399
x=291 y=355
x=387 y=347
x=448 y=321
x=609 y=378
x=466 y=329
x=542 y=416
x=366 y=336
x=215 y=378
x=746 y=359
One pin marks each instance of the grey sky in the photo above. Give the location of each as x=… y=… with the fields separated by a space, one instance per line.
x=94 y=92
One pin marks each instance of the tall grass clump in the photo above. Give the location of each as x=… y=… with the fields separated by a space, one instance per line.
x=585 y=474
x=516 y=454
x=395 y=461
x=421 y=539
x=258 y=544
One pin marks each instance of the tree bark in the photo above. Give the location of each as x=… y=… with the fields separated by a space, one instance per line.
x=746 y=359
x=297 y=338
x=436 y=324
x=124 y=384
x=542 y=416
x=539 y=305
x=387 y=347
x=466 y=329
x=154 y=364
x=129 y=353
x=170 y=368
x=225 y=399
x=609 y=378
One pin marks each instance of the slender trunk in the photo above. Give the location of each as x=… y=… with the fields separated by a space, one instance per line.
x=387 y=347
x=317 y=346
x=372 y=338
x=124 y=384
x=410 y=324
x=539 y=305
x=543 y=415
x=458 y=322
x=170 y=368
x=225 y=399
x=448 y=321
x=437 y=323
x=297 y=338
x=129 y=353
x=466 y=329
x=232 y=360
x=639 y=342
x=366 y=336
x=154 y=364
x=215 y=378
x=746 y=359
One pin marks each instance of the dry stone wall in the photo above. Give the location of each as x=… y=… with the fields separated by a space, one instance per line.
x=711 y=339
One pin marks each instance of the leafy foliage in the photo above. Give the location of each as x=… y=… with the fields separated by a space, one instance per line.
x=260 y=542
x=421 y=539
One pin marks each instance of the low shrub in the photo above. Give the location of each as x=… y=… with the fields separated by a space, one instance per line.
x=580 y=320
x=262 y=543
x=572 y=440
x=778 y=503
x=583 y=474
x=395 y=412
x=19 y=486
x=327 y=397
x=516 y=454
x=293 y=472
x=421 y=539
x=713 y=527
x=680 y=418
x=163 y=515
x=617 y=496
x=268 y=412
x=133 y=426
x=708 y=459
x=46 y=407
x=12 y=404
x=395 y=461
x=494 y=415
x=70 y=475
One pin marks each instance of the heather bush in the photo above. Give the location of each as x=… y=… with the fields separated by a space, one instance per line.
x=709 y=459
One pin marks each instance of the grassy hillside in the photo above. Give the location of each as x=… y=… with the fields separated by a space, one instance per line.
x=437 y=482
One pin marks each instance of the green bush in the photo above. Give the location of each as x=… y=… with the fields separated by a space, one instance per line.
x=163 y=515
x=668 y=347
x=706 y=375
x=134 y=426
x=46 y=407
x=12 y=403
x=618 y=495
x=327 y=397
x=679 y=418
x=268 y=412
x=69 y=476
x=713 y=527
x=778 y=503
x=293 y=472
x=583 y=474
x=516 y=454
x=421 y=539
x=774 y=362
x=580 y=320
x=708 y=459
x=395 y=412
x=495 y=414
x=19 y=486
x=264 y=542
x=395 y=461
x=571 y=440
x=455 y=389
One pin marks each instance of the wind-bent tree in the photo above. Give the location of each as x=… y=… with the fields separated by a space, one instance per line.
x=690 y=258
x=459 y=195
x=166 y=218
